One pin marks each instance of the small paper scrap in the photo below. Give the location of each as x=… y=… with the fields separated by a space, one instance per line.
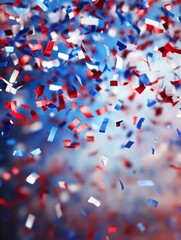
x=52 y=134
x=58 y=210
x=145 y=183
x=30 y=220
x=32 y=178
x=36 y=152
x=121 y=183
x=94 y=201
x=152 y=202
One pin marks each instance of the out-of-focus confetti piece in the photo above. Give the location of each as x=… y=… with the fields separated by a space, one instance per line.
x=179 y=133
x=81 y=128
x=30 y=221
x=145 y=183
x=52 y=134
x=41 y=5
x=86 y=111
x=63 y=185
x=152 y=202
x=18 y=153
x=32 y=178
x=150 y=102
x=141 y=227
x=104 y=160
x=104 y=125
x=94 y=201
x=35 y=152
x=58 y=210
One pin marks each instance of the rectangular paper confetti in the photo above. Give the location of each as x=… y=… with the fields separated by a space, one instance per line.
x=52 y=134
x=94 y=201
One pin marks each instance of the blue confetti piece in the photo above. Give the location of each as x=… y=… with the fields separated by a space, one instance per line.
x=18 y=153
x=92 y=92
x=11 y=142
x=136 y=28
x=179 y=133
x=144 y=4
x=144 y=79
x=153 y=151
x=121 y=45
x=152 y=202
x=35 y=152
x=150 y=102
x=129 y=134
x=104 y=125
x=52 y=134
x=41 y=5
x=118 y=105
x=131 y=38
x=128 y=144
x=3 y=64
x=62 y=124
x=141 y=227
x=150 y=54
x=140 y=122
x=121 y=183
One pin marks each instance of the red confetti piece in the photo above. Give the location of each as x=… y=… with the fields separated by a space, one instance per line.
x=114 y=83
x=61 y=102
x=74 y=123
x=101 y=111
x=140 y=89
x=49 y=48
x=86 y=111
x=126 y=163
x=81 y=128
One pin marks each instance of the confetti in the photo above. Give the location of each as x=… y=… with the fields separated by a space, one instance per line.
x=94 y=201
x=140 y=122
x=30 y=221
x=31 y=179
x=121 y=183
x=129 y=144
x=35 y=152
x=145 y=183
x=58 y=210
x=104 y=125
x=85 y=111
x=52 y=134
x=152 y=202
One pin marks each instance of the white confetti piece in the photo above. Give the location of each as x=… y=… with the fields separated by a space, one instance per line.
x=32 y=178
x=104 y=160
x=30 y=220
x=94 y=201
x=54 y=87
x=119 y=62
x=62 y=184
x=89 y=21
x=58 y=210
x=145 y=183
x=63 y=56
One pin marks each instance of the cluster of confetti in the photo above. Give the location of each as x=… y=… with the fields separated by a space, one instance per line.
x=90 y=120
